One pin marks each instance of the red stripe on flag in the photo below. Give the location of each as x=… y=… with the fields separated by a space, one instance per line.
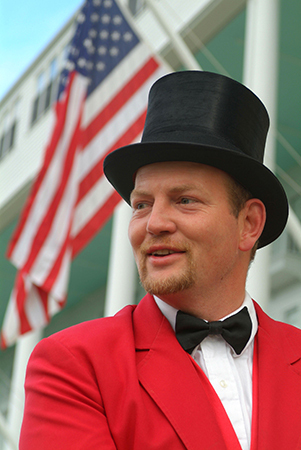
x=21 y=297
x=99 y=219
x=44 y=297
x=3 y=341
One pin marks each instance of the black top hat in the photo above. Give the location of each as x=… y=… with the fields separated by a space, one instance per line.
x=210 y=119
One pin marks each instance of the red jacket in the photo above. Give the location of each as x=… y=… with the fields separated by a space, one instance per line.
x=125 y=383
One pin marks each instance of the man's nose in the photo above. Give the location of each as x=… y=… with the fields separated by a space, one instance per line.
x=160 y=220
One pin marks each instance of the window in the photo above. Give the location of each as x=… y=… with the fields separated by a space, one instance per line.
x=47 y=88
x=39 y=101
x=8 y=127
x=52 y=87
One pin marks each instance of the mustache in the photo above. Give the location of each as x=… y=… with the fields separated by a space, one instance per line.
x=166 y=242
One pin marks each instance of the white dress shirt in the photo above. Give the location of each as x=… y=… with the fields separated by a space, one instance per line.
x=230 y=374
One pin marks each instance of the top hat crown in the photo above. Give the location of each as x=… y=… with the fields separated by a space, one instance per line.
x=210 y=119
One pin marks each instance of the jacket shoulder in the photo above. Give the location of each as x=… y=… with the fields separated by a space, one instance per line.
x=287 y=338
x=104 y=333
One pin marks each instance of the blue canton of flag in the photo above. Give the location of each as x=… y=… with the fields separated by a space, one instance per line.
x=102 y=39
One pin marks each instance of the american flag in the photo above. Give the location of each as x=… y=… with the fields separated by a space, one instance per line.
x=101 y=106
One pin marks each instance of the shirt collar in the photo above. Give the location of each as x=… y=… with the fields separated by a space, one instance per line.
x=170 y=313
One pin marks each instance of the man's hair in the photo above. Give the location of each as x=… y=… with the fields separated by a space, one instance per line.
x=238 y=196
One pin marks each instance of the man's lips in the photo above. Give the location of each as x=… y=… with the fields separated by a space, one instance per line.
x=163 y=257
x=162 y=251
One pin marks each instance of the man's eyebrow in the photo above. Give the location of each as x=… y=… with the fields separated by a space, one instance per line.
x=138 y=193
x=182 y=188
x=173 y=190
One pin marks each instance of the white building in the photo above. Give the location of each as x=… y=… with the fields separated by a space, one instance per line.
x=215 y=31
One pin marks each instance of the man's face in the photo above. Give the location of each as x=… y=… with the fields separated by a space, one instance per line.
x=183 y=233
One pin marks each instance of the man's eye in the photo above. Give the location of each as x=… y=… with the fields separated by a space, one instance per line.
x=186 y=201
x=140 y=206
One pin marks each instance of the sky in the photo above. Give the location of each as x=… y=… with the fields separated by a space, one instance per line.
x=26 y=27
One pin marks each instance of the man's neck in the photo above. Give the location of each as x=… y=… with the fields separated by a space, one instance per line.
x=209 y=308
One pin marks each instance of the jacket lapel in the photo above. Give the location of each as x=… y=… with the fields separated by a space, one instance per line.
x=277 y=385
x=178 y=385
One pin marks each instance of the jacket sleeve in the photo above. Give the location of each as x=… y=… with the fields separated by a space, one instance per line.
x=63 y=404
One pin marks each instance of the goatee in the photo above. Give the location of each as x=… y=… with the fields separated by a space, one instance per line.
x=183 y=279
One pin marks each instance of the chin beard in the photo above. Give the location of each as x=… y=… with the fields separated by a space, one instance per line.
x=170 y=285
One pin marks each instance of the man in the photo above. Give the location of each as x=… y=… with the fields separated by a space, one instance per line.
x=197 y=364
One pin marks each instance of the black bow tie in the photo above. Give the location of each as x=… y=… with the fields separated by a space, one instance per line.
x=236 y=330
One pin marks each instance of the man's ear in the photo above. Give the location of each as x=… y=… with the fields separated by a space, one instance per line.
x=252 y=218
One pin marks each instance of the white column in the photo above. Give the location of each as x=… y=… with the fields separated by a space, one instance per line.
x=293 y=226
x=122 y=270
x=261 y=76
x=23 y=350
x=11 y=441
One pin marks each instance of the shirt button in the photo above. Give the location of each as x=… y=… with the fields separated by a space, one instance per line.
x=223 y=384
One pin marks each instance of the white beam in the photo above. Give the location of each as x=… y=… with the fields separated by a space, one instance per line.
x=261 y=76
x=122 y=271
x=294 y=228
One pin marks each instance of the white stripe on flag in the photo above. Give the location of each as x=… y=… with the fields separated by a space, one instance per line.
x=33 y=307
x=11 y=325
x=60 y=286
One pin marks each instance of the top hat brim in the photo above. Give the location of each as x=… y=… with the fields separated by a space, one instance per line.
x=121 y=166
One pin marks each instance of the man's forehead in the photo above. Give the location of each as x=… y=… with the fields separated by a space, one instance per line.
x=176 y=168
x=178 y=177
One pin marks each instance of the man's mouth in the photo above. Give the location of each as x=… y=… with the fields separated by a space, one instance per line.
x=163 y=252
